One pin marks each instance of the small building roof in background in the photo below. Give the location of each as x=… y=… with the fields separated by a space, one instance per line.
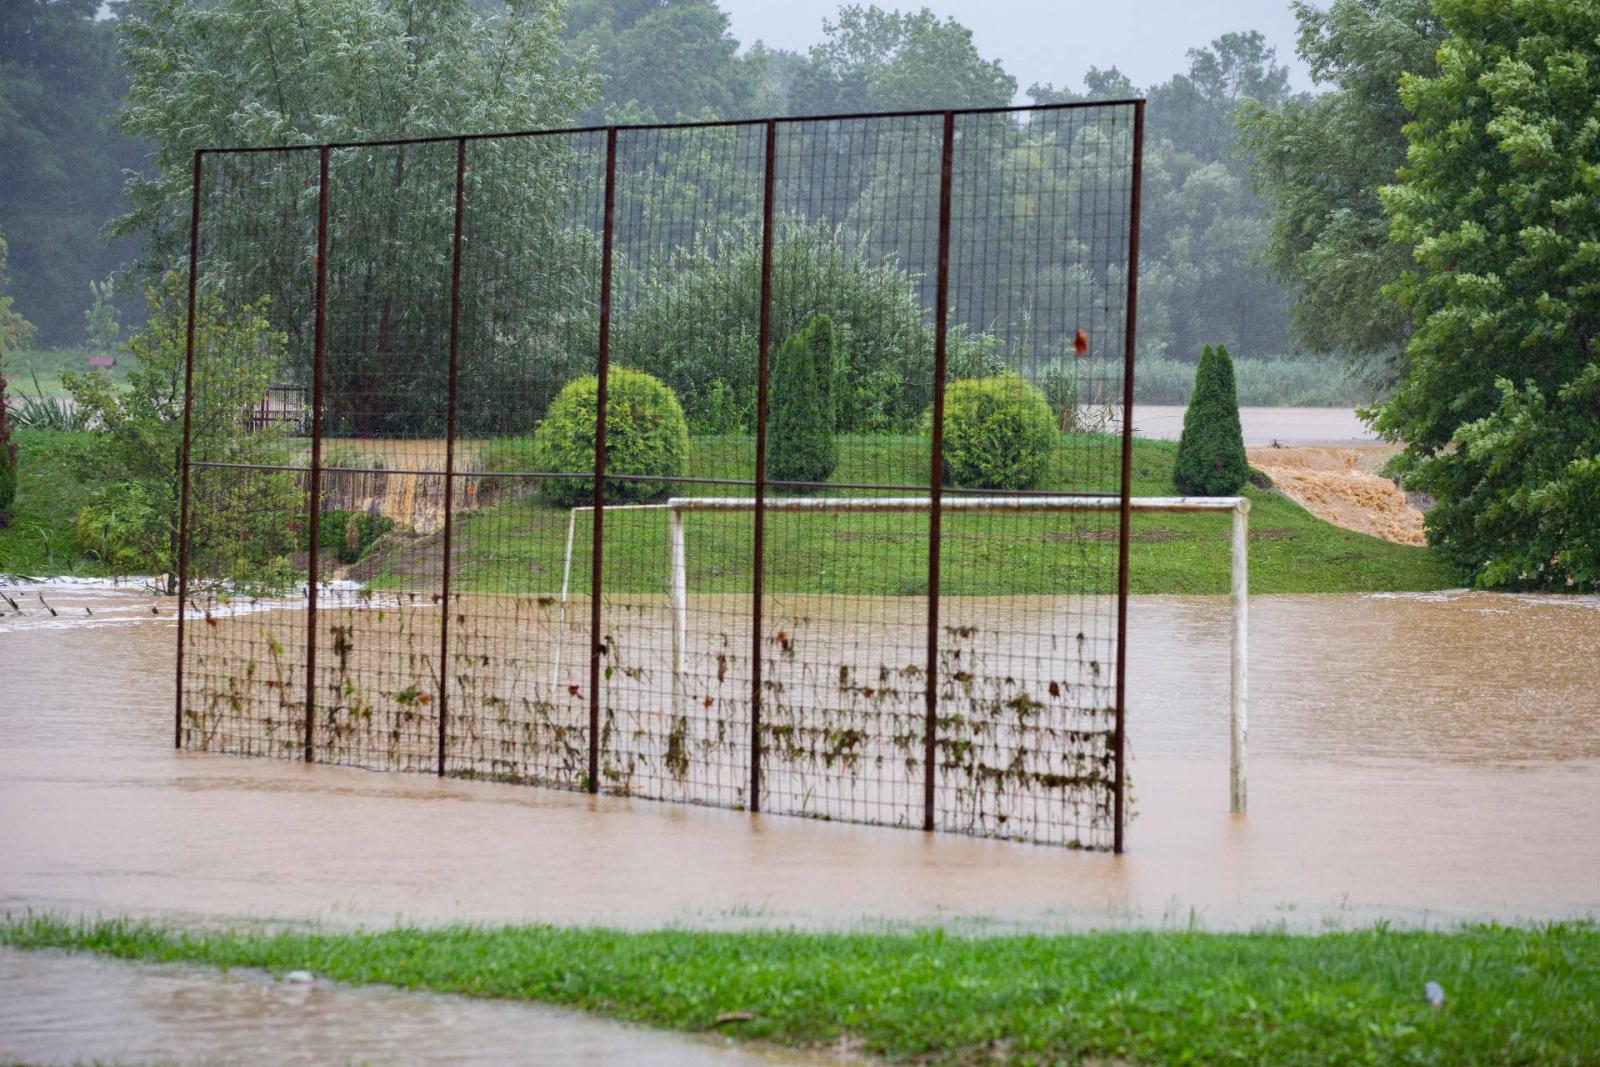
x=97 y=362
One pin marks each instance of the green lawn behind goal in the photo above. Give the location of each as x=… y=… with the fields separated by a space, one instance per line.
x=518 y=546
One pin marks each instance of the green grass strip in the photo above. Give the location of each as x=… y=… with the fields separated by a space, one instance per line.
x=1513 y=995
x=517 y=547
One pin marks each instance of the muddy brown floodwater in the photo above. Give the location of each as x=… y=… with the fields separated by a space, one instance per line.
x=1264 y=427
x=78 y=1009
x=1342 y=486
x=1428 y=758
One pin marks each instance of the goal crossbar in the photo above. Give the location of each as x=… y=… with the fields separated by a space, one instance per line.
x=1238 y=586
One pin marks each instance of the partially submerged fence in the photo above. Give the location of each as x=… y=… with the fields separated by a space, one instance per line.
x=377 y=559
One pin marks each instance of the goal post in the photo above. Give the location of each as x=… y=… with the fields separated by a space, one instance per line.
x=1237 y=507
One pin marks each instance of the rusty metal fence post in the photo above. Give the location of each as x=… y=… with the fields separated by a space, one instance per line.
x=450 y=452
x=314 y=497
x=183 y=447
x=596 y=561
x=930 y=739
x=1126 y=514
x=758 y=578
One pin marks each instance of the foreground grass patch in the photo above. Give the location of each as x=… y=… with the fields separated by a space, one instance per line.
x=1513 y=995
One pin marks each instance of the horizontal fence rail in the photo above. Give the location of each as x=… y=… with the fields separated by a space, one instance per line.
x=897 y=347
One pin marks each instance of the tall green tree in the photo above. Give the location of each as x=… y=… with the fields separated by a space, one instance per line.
x=877 y=60
x=14 y=330
x=1198 y=109
x=1320 y=161
x=240 y=520
x=695 y=324
x=283 y=72
x=1499 y=407
x=664 y=59
x=1204 y=228
x=61 y=157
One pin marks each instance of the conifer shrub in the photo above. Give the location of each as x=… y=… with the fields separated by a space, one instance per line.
x=998 y=433
x=645 y=435
x=1211 y=459
x=800 y=434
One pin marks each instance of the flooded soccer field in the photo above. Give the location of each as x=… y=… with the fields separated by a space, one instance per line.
x=1428 y=758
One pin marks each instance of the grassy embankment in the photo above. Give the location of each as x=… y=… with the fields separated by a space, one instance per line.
x=1512 y=995
x=519 y=545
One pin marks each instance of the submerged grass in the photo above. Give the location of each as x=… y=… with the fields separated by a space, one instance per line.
x=517 y=546
x=1513 y=995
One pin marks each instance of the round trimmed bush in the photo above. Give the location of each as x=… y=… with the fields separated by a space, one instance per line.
x=998 y=433
x=645 y=435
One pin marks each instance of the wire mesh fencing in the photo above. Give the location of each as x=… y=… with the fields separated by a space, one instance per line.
x=729 y=463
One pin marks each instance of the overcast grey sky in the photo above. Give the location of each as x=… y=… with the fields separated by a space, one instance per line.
x=1055 y=40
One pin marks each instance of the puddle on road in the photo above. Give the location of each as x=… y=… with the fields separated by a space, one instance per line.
x=1422 y=757
x=79 y=1009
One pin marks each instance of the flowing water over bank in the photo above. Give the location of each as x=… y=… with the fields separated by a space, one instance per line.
x=1423 y=757
x=1342 y=486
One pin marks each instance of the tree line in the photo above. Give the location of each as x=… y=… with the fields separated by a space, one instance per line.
x=1430 y=213
x=95 y=145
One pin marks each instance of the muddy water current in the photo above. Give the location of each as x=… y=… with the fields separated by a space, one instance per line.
x=1429 y=758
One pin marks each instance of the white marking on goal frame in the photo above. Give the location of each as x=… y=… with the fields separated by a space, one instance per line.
x=1238 y=585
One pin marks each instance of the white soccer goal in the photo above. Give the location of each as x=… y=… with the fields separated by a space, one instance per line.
x=678 y=508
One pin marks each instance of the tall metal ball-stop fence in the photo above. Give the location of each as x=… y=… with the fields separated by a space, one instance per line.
x=779 y=465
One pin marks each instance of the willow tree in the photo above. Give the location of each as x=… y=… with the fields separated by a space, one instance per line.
x=282 y=72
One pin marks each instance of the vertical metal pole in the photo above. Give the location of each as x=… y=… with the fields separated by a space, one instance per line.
x=561 y=619
x=930 y=729
x=763 y=345
x=314 y=500
x=183 y=449
x=1238 y=696
x=678 y=579
x=450 y=453
x=1125 y=514
x=596 y=569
